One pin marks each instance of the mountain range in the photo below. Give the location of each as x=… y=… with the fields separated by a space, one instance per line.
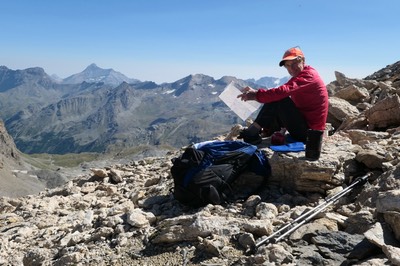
x=98 y=110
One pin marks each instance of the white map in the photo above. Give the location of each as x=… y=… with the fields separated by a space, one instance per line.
x=241 y=108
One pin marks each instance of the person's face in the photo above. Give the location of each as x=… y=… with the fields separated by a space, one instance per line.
x=294 y=67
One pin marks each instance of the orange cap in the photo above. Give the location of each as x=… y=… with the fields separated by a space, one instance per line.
x=291 y=54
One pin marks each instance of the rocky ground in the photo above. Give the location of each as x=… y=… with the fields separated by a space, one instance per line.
x=125 y=214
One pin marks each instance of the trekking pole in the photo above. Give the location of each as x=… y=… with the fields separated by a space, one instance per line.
x=320 y=206
x=304 y=215
x=311 y=213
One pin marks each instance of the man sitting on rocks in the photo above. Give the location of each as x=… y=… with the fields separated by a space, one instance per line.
x=298 y=105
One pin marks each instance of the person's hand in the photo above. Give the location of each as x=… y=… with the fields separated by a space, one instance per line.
x=248 y=94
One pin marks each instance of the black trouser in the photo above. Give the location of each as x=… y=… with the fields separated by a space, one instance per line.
x=273 y=116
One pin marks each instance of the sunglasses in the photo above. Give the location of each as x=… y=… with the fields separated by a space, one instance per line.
x=290 y=63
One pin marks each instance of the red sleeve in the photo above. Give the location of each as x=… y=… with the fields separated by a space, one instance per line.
x=303 y=80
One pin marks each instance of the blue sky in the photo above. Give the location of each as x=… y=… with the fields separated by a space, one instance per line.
x=165 y=40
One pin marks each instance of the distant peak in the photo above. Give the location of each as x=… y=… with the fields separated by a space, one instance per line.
x=94 y=68
x=93 y=65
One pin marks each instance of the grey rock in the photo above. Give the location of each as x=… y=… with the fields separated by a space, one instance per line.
x=393 y=253
x=380 y=235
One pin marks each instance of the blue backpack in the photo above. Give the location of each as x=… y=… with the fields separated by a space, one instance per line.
x=205 y=172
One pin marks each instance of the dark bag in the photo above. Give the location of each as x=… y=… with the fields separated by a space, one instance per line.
x=205 y=172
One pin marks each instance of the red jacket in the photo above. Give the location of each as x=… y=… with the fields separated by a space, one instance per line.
x=309 y=94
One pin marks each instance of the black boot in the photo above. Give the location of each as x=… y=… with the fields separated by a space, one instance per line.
x=314 y=144
x=250 y=138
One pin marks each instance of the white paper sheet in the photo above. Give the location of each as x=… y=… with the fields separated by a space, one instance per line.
x=241 y=108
